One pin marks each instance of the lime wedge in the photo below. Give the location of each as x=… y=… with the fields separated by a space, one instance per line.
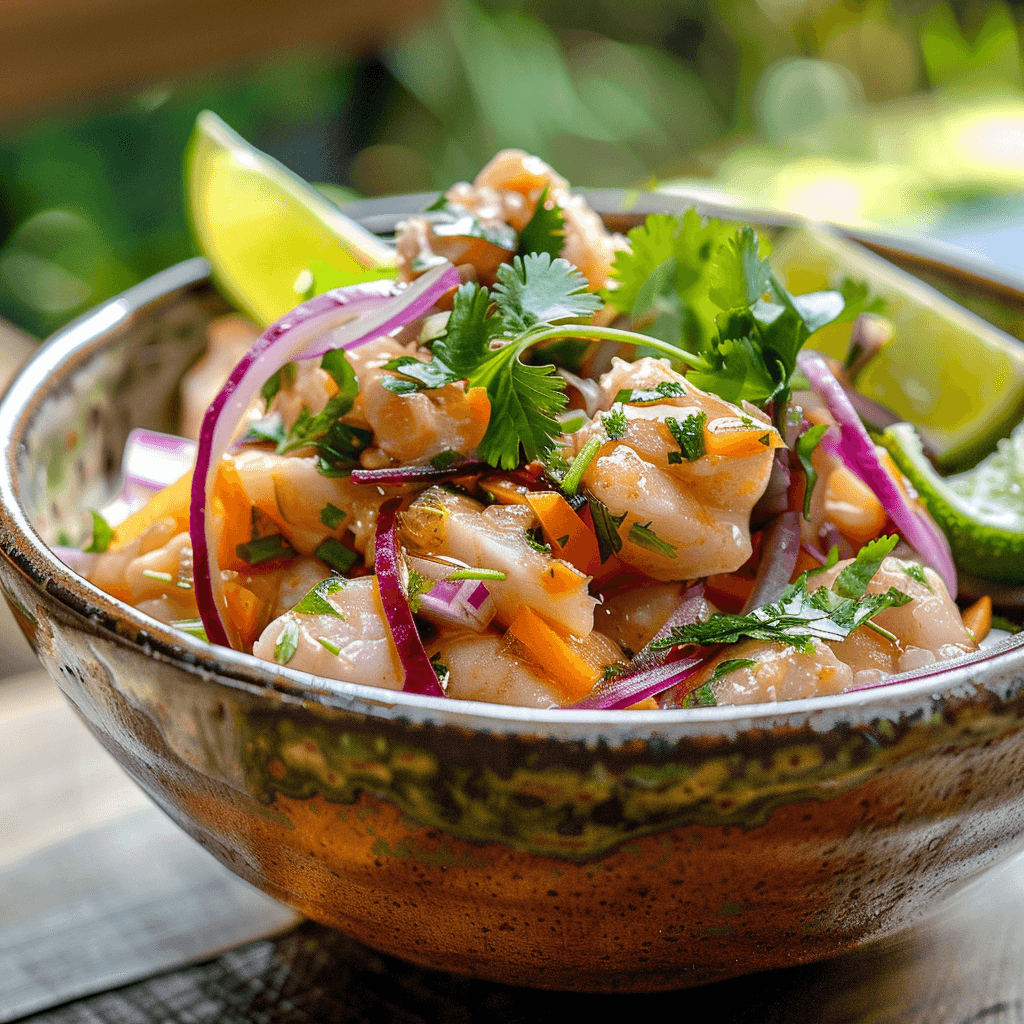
x=957 y=378
x=260 y=225
x=980 y=511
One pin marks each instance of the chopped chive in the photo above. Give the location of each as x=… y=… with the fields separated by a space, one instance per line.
x=327 y=645
x=287 y=643
x=194 y=627
x=154 y=574
x=336 y=555
x=571 y=483
x=331 y=516
x=264 y=549
x=102 y=534
x=476 y=574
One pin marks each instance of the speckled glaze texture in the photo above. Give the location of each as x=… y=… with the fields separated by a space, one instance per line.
x=585 y=850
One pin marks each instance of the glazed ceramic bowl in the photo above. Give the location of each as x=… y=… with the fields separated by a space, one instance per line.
x=585 y=850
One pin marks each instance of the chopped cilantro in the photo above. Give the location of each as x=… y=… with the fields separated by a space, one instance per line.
x=287 y=643
x=702 y=697
x=285 y=377
x=545 y=230
x=268 y=430
x=331 y=516
x=645 y=537
x=316 y=603
x=732 y=665
x=446 y=459
x=615 y=424
x=328 y=646
x=805 y=445
x=916 y=573
x=606 y=528
x=689 y=435
x=264 y=549
x=417 y=585
x=416 y=375
x=799 y=618
x=336 y=555
x=533 y=541
x=102 y=534
x=647 y=396
x=441 y=670
x=337 y=444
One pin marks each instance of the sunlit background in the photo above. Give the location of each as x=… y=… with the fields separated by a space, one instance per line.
x=906 y=114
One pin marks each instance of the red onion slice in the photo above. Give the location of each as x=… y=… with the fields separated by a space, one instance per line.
x=780 y=547
x=858 y=453
x=323 y=323
x=653 y=671
x=417 y=474
x=419 y=673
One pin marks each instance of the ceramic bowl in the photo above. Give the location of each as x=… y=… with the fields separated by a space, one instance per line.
x=582 y=850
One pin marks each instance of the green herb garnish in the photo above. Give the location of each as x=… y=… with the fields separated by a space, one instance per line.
x=615 y=424
x=102 y=534
x=689 y=435
x=799 y=618
x=916 y=573
x=645 y=537
x=702 y=697
x=544 y=231
x=331 y=516
x=287 y=643
x=315 y=602
x=264 y=549
x=606 y=528
x=805 y=445
x=571 y=480
x=336 y=555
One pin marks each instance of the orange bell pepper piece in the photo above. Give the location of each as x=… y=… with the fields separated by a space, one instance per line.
x=722 y=438
x=570 y=538
x=245 y=610
x=570 y=672
x=232 y=514
x=171 y=502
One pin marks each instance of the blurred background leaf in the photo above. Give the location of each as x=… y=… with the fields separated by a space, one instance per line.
x=896 y=112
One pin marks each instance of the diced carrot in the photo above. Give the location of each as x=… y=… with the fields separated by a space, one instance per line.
x=232 y=512
x=978 y=618
x=729 y=590
x=479 y=405
x=737 y=443
x=549 y=648
x=570 y=538
x=561 y=579
x=171 y=502
x=244 y=610
x=505 y=491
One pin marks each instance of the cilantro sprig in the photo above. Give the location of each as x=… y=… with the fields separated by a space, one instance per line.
x=800 y=617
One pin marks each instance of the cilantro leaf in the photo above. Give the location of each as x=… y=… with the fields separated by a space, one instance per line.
x=287 y=643
x=315 y=602
x=416 y=375
x=102 y=534
x=916 y=573
x=857 y=299
x=701 y=697
x=689 y=435
x=308 y=429
x=731 y=665
x=535 y=289
x=800 y=617
x=545 y=230
x=805 y=445
x=739 y=275
x=615 y=424
x=469 y=331
x=606 y=528
x=645 y=537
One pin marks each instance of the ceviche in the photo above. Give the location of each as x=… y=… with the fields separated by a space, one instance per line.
x=543 y=465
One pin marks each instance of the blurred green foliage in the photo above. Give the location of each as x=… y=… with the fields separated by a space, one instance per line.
x=884 y=110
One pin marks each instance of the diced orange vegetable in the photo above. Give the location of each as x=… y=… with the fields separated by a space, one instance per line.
x=245 y=610
x=573 y=675
x=505 y=491
x=978 y=618
x=570 y=538
x=171 y=502
x=561 y=579
x=479 y=405
x=232 y=514
x=721 y=439
x=852 y=506
x=729 y=591
x=804 y=562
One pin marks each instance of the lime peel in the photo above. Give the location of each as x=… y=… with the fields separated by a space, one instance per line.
x=983 y=524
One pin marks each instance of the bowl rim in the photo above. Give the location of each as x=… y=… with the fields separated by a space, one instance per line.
x=25 y=550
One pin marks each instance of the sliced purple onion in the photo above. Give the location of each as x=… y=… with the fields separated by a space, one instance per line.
x=858 y=453
x=81 y=561
x=342 y=318
x=653 y=671
x=390 y=475
x=775 y=499
x=780 y=547
x=151 y=462
x=419 y=673
x=465 y=603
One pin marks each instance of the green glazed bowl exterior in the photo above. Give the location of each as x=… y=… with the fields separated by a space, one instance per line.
x=617 y=851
